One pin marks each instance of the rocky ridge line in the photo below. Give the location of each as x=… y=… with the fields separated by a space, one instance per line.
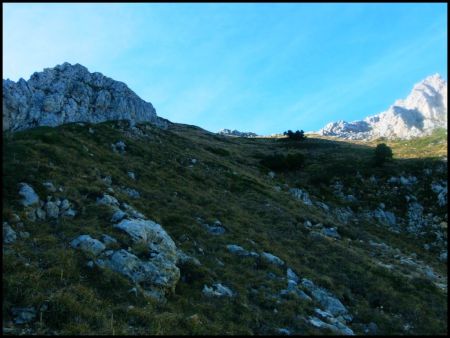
x=70 y=93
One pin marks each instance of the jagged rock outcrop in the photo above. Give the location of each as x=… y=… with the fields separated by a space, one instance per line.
x=424 y=110
x=70 y=93
x=236 y=133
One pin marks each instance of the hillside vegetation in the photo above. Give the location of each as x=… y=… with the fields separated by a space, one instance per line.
x=390 y=276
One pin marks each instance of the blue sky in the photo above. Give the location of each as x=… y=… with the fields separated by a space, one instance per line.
x=264 y=68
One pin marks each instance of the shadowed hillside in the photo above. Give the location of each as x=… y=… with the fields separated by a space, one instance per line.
x=331 y=245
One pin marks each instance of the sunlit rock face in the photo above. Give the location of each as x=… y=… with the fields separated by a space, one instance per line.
x=424 y=110
x=70 y=93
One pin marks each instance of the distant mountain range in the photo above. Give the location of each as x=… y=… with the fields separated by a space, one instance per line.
x=424 y=110
x=236 y=133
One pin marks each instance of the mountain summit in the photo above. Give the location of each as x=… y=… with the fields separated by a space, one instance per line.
x=70 y=93
x=424 y=110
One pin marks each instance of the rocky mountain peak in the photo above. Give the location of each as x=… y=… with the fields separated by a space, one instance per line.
x=422 y=111
x=70 y=93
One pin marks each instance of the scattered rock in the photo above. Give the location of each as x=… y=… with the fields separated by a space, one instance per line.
x=49 y=186
x=31 y=215
x=291 y=275
x=301 y=195
x=323 y=206
x=69 y=213
x=41 y=214
x=343 y=214
x=131 y=175
x=162 y=251
x=108 y=240
x=107 y=180
x=117 y=216
x=155 y=277
x=132 y=212
x=350 y=198
x=384 y=217
x=9 y=235
x=23 y=315
x=108 y=200
x=284 y=332
x=29 y=195
x=217 y=290
x=24 y=234
x=271 y=174
x=330 y=303
x=441 y=191
x=216 y=229
x=183 y=258
x=337 y=328
x=415 y=217
x=52 y=210
x=331 y=232
x=371 y=328
x=88 y=244
x=272 y=259
x=240 y=251
x=131 y=192
x=65 y=204
x=119 y=146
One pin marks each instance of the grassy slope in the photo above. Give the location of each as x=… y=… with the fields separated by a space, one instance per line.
x=227 y=183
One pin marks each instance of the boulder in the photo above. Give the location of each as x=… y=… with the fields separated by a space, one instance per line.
x=149 y=274
x=29 y=196
x=161 y=249
x=150 y=233
x=88 y=244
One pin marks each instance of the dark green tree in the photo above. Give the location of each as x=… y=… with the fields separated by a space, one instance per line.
x=299 y=135
x=383 y=153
